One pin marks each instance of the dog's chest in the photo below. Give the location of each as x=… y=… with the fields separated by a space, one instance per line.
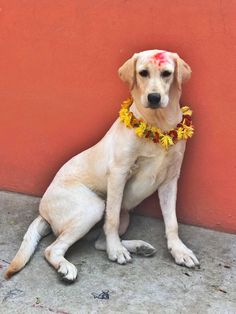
x=149 y=172
x=151 y=169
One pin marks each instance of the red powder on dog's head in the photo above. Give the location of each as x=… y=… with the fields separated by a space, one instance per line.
x=160 y=58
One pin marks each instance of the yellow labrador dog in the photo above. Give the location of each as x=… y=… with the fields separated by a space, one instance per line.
x=117 y=174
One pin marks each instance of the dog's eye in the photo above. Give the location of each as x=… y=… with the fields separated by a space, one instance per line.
x=166 y=73
x=144 y=73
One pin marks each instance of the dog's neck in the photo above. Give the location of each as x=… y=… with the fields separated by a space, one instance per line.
x=165 y=119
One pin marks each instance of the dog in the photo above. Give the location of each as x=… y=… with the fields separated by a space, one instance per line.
x=119 y=172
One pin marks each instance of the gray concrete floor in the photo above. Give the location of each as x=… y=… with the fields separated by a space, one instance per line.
x=148 y=285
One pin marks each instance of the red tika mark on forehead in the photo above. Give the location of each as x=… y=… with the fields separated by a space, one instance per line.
x=160 y=58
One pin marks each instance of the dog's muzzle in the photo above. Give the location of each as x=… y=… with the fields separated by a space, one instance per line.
x=154 y=100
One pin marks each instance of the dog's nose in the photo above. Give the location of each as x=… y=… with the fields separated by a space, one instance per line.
x=154 y=99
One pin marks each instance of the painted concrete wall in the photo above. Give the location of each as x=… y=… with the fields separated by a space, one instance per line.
x=59 y=90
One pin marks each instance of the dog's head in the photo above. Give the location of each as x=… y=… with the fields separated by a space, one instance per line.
x=154 y=76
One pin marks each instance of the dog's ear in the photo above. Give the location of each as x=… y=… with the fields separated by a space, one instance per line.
x=127 y=71
x=182 y=71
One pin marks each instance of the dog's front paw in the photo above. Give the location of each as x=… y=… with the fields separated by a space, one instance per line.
x=119 y=254
x=182 y=255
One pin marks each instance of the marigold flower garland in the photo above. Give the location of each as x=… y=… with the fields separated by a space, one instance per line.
x=183 y=130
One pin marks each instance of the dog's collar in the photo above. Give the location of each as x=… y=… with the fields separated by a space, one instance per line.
x=183 y=130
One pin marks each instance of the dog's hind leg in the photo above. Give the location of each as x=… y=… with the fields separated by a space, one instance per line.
x=74 y=229
x=133 y=246
x=139 y=247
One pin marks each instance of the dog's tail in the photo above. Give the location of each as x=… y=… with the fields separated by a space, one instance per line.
x=38 y=229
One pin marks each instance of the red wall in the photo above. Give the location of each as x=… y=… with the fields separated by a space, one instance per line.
x=59 y=90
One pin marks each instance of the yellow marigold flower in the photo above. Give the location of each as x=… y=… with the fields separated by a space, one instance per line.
x=180 y=133
x=166 y=141
x=127 y=121
x=186 y=110
x=187 y=132
x=123 y=113
x=140 y=130
x=126 y=117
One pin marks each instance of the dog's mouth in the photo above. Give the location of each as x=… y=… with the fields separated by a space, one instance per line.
x=154 y=106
